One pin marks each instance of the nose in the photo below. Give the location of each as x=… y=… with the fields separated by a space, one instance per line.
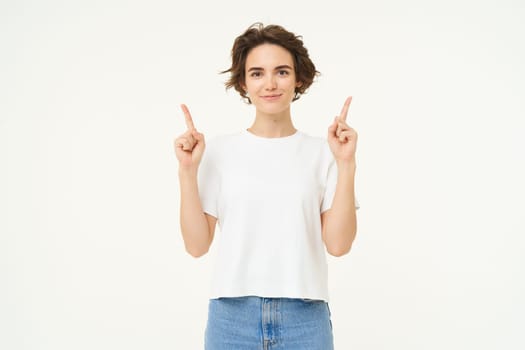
x=271 y=83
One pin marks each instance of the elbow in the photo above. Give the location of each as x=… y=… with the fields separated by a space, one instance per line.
x=341 y=246
x=339 y=250
x=196 y=252
x=194 y=245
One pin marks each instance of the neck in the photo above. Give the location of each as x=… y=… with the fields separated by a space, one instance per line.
x=273 y=125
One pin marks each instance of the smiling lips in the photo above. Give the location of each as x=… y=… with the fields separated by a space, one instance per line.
x=271 y=97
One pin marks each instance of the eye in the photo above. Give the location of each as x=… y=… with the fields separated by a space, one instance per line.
x=283 y=72
x=255 y=74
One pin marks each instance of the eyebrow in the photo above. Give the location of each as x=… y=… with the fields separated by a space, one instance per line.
x=276 y=68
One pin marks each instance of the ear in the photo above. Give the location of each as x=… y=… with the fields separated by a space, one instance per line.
x=299 y=84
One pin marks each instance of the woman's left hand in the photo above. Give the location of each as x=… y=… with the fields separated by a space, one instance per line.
x=341 y=137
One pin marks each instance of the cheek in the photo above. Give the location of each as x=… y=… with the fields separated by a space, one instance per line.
x=291 y=84
x=253 y=85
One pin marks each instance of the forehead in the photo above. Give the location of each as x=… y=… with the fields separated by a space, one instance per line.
x=268 y=56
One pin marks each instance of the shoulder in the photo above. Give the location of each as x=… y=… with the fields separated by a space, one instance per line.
x=219 y=146
x=218 y=141
x=317 y=144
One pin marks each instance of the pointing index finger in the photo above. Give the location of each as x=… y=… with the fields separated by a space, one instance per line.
x=344 y=111
x=187 y=115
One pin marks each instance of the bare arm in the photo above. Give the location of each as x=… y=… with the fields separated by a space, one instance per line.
x=196 y=226
x=339 y=224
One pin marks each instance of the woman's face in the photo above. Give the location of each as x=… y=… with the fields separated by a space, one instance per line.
x=270 y=78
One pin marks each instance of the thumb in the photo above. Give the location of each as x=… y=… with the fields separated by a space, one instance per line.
x=333 y=126
x=196 y=134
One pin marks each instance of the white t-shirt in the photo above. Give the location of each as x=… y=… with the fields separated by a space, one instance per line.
x=268 y=195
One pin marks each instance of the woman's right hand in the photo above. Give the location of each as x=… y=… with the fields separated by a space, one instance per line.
x=189 y=147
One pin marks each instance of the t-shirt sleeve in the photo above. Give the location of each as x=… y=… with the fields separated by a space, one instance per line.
x=208 y=182
x=331 y=182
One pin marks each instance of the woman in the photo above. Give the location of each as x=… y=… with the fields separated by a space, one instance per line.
x=281 y=198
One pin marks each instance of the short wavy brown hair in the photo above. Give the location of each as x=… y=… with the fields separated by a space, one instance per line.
x=258 y=34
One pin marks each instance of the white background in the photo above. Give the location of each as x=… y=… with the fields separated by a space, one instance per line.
x=91 y=252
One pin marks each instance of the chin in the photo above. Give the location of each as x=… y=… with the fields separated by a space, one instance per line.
x=272 y=108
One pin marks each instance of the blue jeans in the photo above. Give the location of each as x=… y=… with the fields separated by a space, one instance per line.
x=256 y=323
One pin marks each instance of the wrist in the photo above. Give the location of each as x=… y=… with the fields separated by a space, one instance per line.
x=187 y=172
x=347 y=165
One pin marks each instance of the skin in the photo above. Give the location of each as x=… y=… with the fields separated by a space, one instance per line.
x=339 y=223
x=269 y=71
x=270 y=83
